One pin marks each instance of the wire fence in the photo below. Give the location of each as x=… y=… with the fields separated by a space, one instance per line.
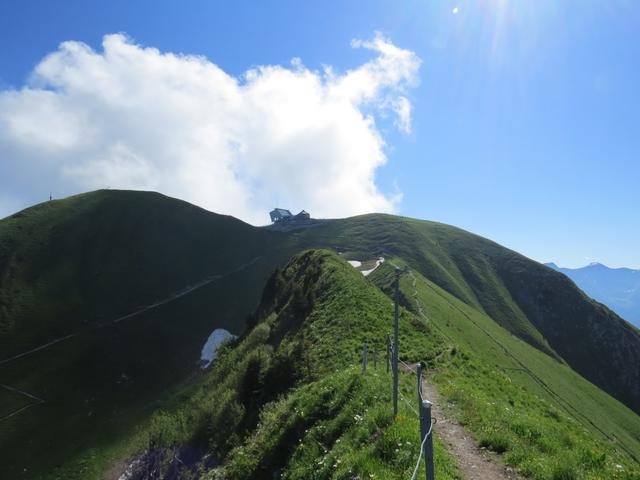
x=422 y=445
x=422 y=413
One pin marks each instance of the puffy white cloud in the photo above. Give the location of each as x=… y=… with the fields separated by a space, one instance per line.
x=133 y=117
x=402 y=108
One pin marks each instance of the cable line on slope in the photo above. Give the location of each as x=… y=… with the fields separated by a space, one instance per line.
x=170 y=298
x=173 y=296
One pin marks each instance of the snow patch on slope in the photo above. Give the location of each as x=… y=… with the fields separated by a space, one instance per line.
x=357 y=264
x=378 y=263
x=210 y=349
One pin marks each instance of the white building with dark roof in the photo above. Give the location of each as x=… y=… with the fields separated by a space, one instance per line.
x=283 y=216
x=280 y=215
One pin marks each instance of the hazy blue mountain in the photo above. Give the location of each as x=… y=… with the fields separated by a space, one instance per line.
x=617 y=288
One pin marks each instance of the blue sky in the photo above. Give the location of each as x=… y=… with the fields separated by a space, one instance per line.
x=524 y=123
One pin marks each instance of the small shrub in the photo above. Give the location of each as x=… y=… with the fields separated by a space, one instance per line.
x=495 y=441
x=526 y=431
x=553 y=413
x=593 y=459
x=564 y=472
x=165 y=430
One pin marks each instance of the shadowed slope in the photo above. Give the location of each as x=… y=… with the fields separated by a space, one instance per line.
x=114 y=294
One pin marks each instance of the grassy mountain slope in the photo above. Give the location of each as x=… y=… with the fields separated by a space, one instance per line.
x=100 y=255
x=533 y=302
x=285 y=399
x=71 y=267
x=505 y=363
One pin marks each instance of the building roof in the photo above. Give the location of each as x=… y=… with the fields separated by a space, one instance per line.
x=282 y=211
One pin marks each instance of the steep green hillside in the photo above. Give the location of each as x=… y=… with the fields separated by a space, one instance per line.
x=71 y=271
x=77 y=263
x=285 y=399
x=107 y=298
x=533 y=302
x=513 y=394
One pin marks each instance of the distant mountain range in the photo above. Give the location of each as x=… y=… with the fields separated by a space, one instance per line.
x=617 y=288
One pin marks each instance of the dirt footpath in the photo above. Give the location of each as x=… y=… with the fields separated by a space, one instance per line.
x=474 y=463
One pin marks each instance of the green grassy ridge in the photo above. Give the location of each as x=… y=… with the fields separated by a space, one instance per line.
x=478 y=271
x=96 y=256
x=433 y=248
x=531 y=301
x=145 y=246
x=357 y=439
x=74 y=265
x=545 y=430
x=295 y=405
x=288 y=400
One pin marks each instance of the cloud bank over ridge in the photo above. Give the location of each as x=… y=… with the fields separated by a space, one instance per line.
x=134 y=117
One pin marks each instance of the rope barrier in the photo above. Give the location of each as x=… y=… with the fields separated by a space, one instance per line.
x=408 y=404
x=410 y=367
x=415 y=470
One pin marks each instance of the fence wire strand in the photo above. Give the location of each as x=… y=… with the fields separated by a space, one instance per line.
x=415 y=470
x=408 y=404
x=413 y=368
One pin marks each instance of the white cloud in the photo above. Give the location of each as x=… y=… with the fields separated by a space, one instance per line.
x=402 y=107
x=133 y=117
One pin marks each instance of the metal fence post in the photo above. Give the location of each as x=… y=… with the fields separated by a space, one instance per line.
x=375 y=358
x=364 y=358
x=425 y=424
x=395 y=345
